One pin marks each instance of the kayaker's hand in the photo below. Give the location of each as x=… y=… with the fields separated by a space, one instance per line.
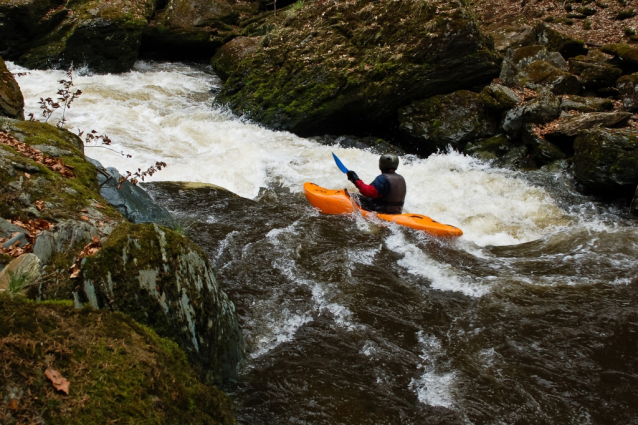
x=352 y=176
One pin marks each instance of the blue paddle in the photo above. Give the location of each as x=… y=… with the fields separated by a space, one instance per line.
x=340 y=164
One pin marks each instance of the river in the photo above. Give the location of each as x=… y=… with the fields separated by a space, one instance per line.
x=530 y=317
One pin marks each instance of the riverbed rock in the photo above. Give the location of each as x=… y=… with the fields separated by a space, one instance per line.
x=556 y=41
x=504 y=98
x=606 y=161
x=595 y=70
x=542 y=109
x=572 y=125
x=628 y=91
x=448 y=120
x=488 y=149
x=585 y=104
x=625 y=52
x=103 y=35
x=536 y=68
x=118 y=370
x=11 y=100
x=227 y=58
x=544 y=151
x=347 y=67
x=633 y=207
x=165 y=281
x=129 y=199
x=24 y=270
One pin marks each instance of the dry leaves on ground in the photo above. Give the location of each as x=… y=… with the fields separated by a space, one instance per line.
x=35 y=154
x=58 y=381
x=87 y=251
x=32 y=229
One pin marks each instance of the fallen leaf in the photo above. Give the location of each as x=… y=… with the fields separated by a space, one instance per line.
x=13 y=405
x=100 y=206
x=75 y=271
x=85 y=218
x=27 y=175
x=59 y=383
x=39 y=205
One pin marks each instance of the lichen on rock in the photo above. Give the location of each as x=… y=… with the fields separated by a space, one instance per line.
x=165 y=281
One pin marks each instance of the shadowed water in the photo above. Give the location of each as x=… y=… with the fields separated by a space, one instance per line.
x=530 y=317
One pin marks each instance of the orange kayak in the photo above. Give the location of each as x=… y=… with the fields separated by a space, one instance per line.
x=339 y=202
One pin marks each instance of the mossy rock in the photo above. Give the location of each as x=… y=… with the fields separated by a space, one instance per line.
x=586 y=104
x=25 y=20
x=63 y=197
x=595 y=73
x=627 y=90
x=165 y=281
x=119 y=370
x=227 y=58
x=105 y=36
x=11 y=100
x=606 y=161
x=448 y=120
x=623 y=51
x=357 y=64
x=490 y=148
x=556 y=41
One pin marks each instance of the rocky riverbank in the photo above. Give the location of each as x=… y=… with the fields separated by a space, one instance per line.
x=60 y=239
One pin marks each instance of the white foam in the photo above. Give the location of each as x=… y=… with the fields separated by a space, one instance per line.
x=431 y=387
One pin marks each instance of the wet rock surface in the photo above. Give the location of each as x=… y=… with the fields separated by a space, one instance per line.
x=11 y=101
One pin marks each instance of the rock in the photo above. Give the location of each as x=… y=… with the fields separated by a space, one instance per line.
x=491 y=148
x=19 y=239
x=594 y=70
x=536 y=68
x=606 y=161
x=371 y=144
x=11 y=100
x=571 y=126
x=447 y=120
x=544 y=151
x=504 y=97
x=228 y=57
x=7 y=229
x=517 y=158
x=105 y=36
x=628 y=91
x=585 y=104
x=24 y=270
x=633 y=207
x=23 y=21
x=360 y=64
x=624 y=52
x=65 y=238
x=119 y=369
x=542 y=109
x=131 y=200
x=193 y=29
x=555 y=41
x=513 y=37
x=165 y=281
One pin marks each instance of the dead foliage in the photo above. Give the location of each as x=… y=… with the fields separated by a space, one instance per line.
x=32 y=229
x=90 y=249
x=36 y=155
x=140 y=175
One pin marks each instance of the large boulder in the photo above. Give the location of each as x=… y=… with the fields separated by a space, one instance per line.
x=448 y=120
x=23 y=21
x=595 y=70
x=103 y=35
x=228 y=57
x=628 y=91
x=194 y=29
x=165 y=281
x=585 y=104
x=572 y=125
x=11 y=100
x=357 y=64
x=606 y=161
x=536 y=68
x=539 y=110
x=117 y=370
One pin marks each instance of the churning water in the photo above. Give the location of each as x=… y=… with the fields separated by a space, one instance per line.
x=530 y=317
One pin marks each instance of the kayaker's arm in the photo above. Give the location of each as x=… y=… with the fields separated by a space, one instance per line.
x=367 y=190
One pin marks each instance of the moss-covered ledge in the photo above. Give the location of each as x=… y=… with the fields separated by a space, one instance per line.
x=164 y=280
x=119 y=371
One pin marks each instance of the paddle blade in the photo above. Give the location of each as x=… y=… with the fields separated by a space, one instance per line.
x=340 y=164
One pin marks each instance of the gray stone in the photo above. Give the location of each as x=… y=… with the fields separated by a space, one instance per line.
x=7 y=229
x=544 y=151
x=63 y=238
x=131 y=200
x=628 y=91
x=20 y=239
x=571 y=126
x=26 y=268
x=52 y=150
x=542 y=109
x=585 y=104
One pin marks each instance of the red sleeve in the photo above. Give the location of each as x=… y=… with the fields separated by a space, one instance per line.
x=366 y=190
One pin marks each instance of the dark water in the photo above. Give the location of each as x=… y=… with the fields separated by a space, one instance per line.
x=343 y=328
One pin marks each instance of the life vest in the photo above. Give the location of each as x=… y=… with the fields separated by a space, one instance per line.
x=392 y=201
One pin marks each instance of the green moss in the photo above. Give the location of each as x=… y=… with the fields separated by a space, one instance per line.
x=119 y=371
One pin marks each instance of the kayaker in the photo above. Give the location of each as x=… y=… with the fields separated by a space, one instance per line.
x=386 y=193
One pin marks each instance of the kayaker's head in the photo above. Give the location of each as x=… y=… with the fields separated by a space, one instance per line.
x=388 y=162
